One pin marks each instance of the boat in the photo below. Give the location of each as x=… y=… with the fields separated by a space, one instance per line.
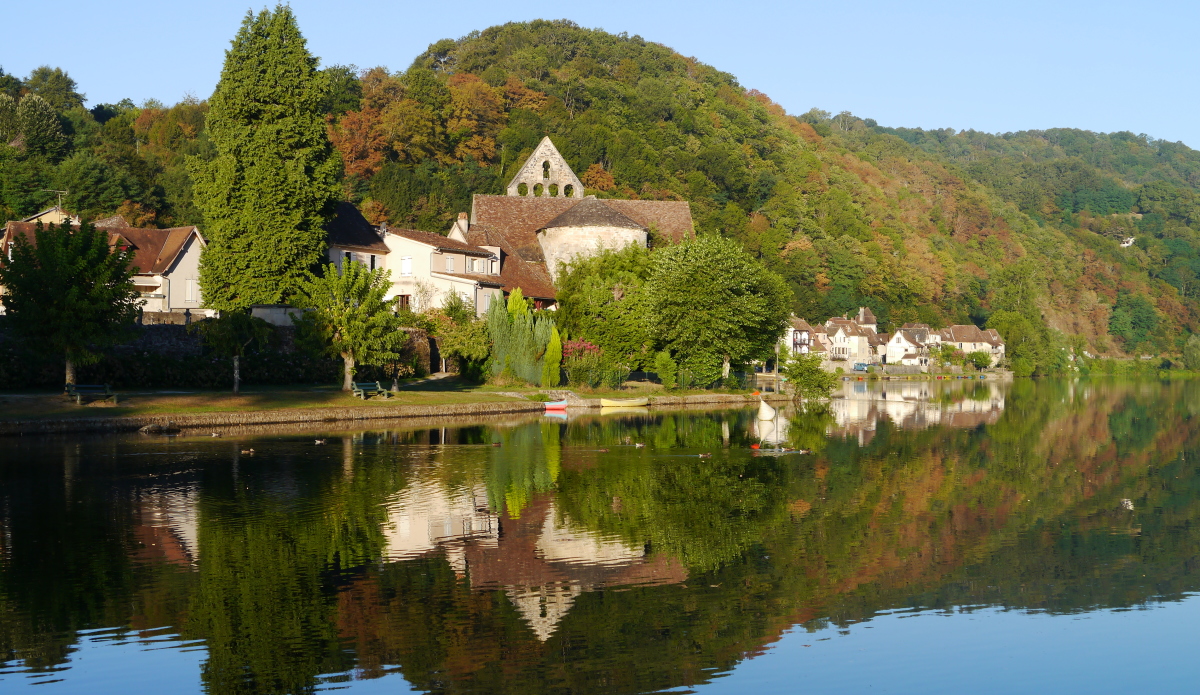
x=625 y=402
x=556 y=405
x=765 y=412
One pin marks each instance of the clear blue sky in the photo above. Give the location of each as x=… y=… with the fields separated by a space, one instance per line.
x=992 y=66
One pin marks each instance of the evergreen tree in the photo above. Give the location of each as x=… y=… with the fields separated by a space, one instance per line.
x=552 y=362
x=269 y=191
x=40 y=130
x=8 y=118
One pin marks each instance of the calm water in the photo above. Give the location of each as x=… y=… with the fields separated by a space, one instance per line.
x=940 y=538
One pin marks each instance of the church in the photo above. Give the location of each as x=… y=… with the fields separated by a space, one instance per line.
x=521 y=239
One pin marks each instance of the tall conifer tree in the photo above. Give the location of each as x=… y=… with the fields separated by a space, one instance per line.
x=271 y=188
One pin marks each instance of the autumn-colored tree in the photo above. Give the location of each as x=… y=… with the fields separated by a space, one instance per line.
x=360 y=142
x=476 y=115
x=413 y=130
x=596 y=177
x=380 y=88
x=518 y=96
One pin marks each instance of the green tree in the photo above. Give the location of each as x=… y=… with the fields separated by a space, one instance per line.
x=804 y=372
x=40 y=130
x=345 y=89
x=602 y=301
x=231 y=334
x=8 y=119
x=666 y=369
x=68 y=292
x=349 y=317
x=982 y=359
x=10 y=84
x=713 y=304
x=552 y=361
x=56 y=87
x=269 y=191
x=1191 y=352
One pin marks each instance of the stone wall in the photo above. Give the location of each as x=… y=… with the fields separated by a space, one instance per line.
x=561 y=244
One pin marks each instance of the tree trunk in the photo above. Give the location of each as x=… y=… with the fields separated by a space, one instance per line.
x=70 y=371
x=347 y=372
x=237 y=374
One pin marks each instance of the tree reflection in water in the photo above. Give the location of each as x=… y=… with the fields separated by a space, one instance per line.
x=550 y=564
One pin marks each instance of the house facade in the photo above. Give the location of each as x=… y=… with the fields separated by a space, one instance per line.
x=166 y=262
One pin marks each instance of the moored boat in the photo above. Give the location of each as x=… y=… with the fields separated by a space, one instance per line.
x=625 y=402
x=765 y=412
x=556 y=405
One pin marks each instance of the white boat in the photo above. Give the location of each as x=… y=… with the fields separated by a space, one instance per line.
x=765 y=412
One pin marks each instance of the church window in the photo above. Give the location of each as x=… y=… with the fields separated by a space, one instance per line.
x=569 y=190
x=537 y=189
x=546 y=169
x=522 y=189
x=554 y=190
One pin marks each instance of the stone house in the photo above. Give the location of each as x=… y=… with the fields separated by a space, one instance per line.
x=798 y=336
x=850 y=342
x=167 y=262
x=517 y=240
x=908 y=347
x=970 y=339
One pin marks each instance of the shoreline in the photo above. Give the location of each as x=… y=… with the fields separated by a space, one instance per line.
x=284 y=416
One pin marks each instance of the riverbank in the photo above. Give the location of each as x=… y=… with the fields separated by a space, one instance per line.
x=20 y=414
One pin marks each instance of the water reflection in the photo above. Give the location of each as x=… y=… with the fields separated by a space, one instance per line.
x=551 y=555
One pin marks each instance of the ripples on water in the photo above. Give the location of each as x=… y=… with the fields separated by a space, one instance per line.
x=940 y=538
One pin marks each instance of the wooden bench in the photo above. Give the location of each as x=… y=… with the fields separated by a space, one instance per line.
x=95 y=391
x=366 y=389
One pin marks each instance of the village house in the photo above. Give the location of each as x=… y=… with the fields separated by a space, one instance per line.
x=167 y=261
x=970 y=339
x=518 y=240
x=909 y=346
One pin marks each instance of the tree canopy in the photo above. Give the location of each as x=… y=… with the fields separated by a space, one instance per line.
x=268 y=192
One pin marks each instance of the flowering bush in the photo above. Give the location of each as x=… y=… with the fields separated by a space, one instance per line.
x=579 y=348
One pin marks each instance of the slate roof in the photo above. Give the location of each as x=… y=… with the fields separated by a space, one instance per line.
x=592 y=213
x=350 y=229
x=155 y=250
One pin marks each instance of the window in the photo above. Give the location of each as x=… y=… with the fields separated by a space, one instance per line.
x=487 y=301
x=494 y=270
x=372 y=261
x=406 y=265
x=189 y=290
x=403 y=301
x=449 y=264
x=348 y=257
x=470 y=265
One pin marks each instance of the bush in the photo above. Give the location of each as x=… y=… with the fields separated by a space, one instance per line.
x=666 y=369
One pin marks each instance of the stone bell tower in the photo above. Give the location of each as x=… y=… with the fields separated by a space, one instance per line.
x=546 y=175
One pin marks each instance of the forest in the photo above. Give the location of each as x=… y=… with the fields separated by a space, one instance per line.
x=919 y=225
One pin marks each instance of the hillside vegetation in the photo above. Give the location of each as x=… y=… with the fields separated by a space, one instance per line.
x=933 y=226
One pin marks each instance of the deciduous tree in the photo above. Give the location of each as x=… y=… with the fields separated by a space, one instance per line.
x=68 y=292
x=348 y=315
x=231 y=334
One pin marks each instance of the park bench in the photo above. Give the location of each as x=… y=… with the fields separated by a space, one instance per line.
x=366 y=389
x=95 y=391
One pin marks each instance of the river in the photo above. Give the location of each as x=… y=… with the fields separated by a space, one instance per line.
x=938 y=537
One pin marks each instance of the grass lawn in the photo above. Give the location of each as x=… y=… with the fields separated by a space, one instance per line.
x=33 y=405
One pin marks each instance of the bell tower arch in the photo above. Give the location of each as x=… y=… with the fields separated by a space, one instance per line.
x=546 y=174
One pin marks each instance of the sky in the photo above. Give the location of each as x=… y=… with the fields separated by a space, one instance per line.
x=969 y=64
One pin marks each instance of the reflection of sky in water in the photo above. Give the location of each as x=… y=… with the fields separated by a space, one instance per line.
x=1110 y=651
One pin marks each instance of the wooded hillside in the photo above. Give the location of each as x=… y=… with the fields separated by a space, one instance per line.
x=916 y=224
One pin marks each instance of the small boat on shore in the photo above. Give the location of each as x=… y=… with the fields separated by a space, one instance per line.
x=556 y=405
x=625 y=402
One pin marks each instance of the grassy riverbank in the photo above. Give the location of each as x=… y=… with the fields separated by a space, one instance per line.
x=45 y=405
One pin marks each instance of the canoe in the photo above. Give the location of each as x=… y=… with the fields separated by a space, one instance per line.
x=625 y=402
x=765 y=412
x=557 y=405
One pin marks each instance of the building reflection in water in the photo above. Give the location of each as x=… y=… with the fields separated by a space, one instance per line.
x=857 y=406
x=167 y=525
x=537 y=556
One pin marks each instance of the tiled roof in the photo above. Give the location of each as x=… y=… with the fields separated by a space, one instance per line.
x=349 y=229
x=800 y=324
x=966 y=334
x=155 y=250
x=439 y=242
x=519 y=218
x=515 y=271
x=592 y=213
x=493 y=280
